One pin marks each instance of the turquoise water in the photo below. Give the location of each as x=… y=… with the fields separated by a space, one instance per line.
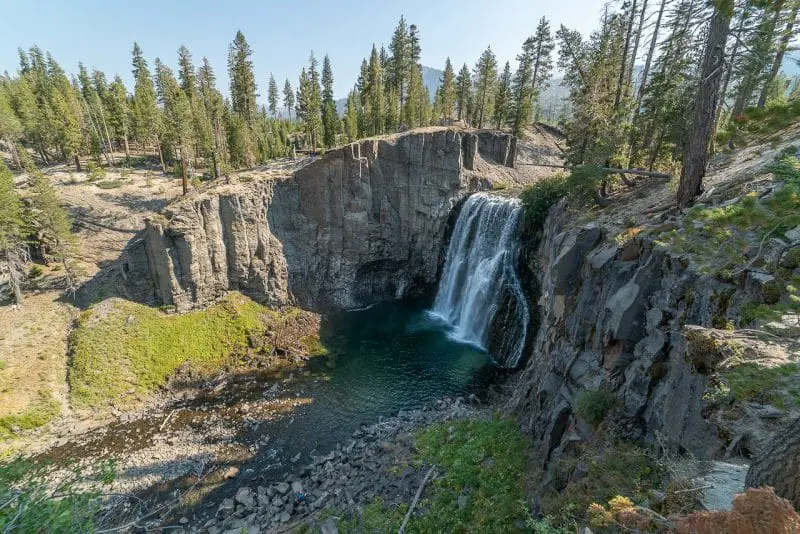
x=383 y=359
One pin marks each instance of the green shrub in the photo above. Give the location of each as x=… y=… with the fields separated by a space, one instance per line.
x=39 y=412
x=35 y=272
x=196 y=182
x=594 y=406
x=109 y=184
x=580 y=186
x=95 y=171
x=538 y=198
x=29 y=504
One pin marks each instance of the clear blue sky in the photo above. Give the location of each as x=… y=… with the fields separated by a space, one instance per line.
x=101 y=34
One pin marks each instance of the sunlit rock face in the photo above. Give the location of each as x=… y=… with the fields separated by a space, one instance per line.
x=362 y=224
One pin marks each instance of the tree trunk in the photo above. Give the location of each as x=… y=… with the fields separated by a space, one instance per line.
x=15 y=155
x=161 y=156
x=643 y=84
x=184 y=180
x=695 y=158
x=77 y=163
x=127 y=149
x=636 y=41
x=776 y=63
x=624 y=65
x=729 y=70
x=215 y=166
x=108 y=137
x=779 y=465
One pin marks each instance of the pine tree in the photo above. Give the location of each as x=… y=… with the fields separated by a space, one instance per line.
x=51 y=224
x=522 y=88
x=351 y=117
x=373 y=97
x=243 y=80
x=502 y=97
x=780 y=52
x=215 y=108
x=542 y=59
x=463 y=93
x=413 y=110
x=695 y=157
x=11 y=130
x=309 y=102
x=288 y=97
x=330 y=119
x=119 y=114
x=398 y=64
x=145 y=115
x=485 y=79
x=447 y=91
x=13 y=251
x=178 y=121
x=272 y=96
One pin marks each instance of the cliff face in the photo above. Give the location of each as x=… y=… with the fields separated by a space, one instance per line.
x=611 y=318
x=364 y=223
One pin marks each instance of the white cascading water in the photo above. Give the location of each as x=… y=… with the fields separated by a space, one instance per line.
x=480 y=266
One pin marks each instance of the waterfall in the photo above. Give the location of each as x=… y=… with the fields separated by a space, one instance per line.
x=480 y=277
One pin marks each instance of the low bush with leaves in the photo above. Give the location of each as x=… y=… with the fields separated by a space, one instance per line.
x=594 y=406
x=95 y=171
x=31 y=501
x=580 y=186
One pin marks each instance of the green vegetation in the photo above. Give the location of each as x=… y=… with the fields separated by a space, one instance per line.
x=718 y=240
x=594 y=406
x=482 y=461
x=607 y=470
x=123 y=347
x=760 y=121
x=779 y=386
x=580 y=186
x=31 y=504
x=38 y=413
x=109 y=184
x=95 y=171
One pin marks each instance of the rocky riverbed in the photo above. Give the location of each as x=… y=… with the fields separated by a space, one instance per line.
x=376 y=462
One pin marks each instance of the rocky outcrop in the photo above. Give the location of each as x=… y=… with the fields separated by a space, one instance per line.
x=611 y=318
x=366 y=222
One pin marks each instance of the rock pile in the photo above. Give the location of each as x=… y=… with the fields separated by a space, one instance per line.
x=376 y=462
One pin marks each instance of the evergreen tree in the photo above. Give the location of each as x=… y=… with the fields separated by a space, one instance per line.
x=145 y=114
x=51 y=224
x=485 y=80
x=502 y=98
x=288 y=97
x=330 y=119
x=374 y=95
x=447 y=91
x=695 y=156
x=215 y=108
x=309 y=102
x=522 y=88
x=272 y=96
x=178 y=120
x=13 y=251
x=351 y=117
x=463 y=93
x=243 y=80
x=415 y=102
x=542 y=59
x=398 y=64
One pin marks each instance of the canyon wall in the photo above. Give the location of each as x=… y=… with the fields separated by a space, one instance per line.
x=611 y=318
x=364 y=223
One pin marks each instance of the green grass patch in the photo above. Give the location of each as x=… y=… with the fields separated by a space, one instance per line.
x=609 y=469
x=40 y=412
x=129 y=347
x=779 y=385
x=481 y=461
x=109 y=184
